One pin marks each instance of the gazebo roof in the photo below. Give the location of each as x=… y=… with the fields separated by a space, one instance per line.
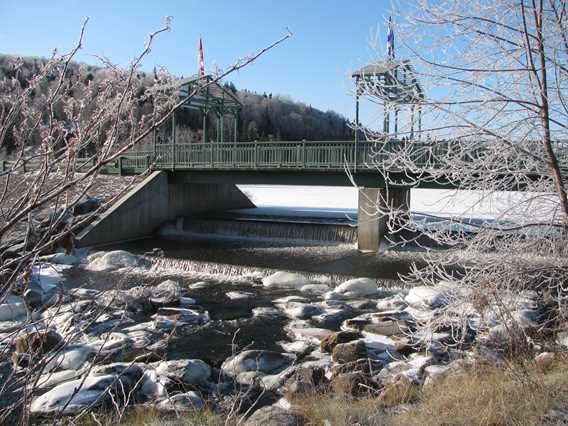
x=395 y=79
x=210 y=95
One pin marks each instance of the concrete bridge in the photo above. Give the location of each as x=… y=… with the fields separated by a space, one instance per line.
x=195 y=179
x=199 y=178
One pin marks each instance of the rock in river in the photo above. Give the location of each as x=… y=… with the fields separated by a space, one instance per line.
x=349 y=352
x=355 y=288
x=73 y=396
x=285 y=279
x=165 y=293
x=170 y=318
x=334 y=339
x=267 y=362
x=429 y=297
x=186 y=371
x=12 y=308
x=112 y=260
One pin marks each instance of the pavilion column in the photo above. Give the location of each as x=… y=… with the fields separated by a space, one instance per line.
x=412 y=122
x=355 y=148
x=204 y=136
x=173 y=140
x=386 y=122
x=395 y=122
x=419 y=122
x=372 y=225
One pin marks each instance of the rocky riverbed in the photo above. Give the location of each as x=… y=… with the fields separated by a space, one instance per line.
x=107 y=329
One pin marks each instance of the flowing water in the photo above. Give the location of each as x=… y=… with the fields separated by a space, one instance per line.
x=229 y=254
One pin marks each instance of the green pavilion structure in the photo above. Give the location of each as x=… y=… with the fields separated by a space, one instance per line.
x=394 y=82
x=211 y=99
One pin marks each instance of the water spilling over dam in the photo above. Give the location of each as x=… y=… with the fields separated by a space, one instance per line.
x=242 y=242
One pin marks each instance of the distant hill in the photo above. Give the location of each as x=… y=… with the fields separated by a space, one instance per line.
x=263 y=117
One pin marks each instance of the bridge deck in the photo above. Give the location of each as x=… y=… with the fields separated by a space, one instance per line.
x=324 y=161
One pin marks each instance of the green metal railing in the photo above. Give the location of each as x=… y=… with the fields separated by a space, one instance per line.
x=261 y=155
x=299 y=155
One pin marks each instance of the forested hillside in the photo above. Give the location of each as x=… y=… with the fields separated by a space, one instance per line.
x=263 y=116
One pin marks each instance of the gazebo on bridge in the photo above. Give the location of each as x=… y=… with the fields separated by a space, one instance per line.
x=394 y=82
x=210 y=98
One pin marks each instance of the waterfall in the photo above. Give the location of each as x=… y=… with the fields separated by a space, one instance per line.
x=236 y=273
x=316 y=232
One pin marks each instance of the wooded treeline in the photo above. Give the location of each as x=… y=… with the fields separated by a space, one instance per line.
x=264 y=117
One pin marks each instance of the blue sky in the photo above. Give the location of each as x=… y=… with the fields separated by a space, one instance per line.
x=331 y=37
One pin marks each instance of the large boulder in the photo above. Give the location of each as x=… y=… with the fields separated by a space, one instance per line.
x=165 y=293
x=266 y=362
x=305 y=380
x=349 y=352
x=315 y=288
x=73 y=396
x=301 y=310
x=50 y=380
x=112 y=261
x=171 y=318
x=285 y=279
x=71 y=358
x=333 y=315
x=354 y=289
x=154 y=386
x=240 y=295
x=386 y=327
x=332 y=340
x=135 y=299
x=429 y=297
x=107 y=383
x=185 y=371
x=300 y=331
x=12 y=308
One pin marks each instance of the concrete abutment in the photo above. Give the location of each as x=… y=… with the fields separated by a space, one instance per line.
x=154 y=201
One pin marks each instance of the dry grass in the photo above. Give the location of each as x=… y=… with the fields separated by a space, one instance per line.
x=324 y=410
x=491 y=396
x=145 y=416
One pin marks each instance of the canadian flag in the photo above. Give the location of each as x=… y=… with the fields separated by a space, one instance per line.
x=200 y=58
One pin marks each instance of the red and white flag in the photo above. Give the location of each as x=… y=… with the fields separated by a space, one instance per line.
x=200 y=59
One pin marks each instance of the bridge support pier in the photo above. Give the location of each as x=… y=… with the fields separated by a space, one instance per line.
x=372 y=225
x=154 y=201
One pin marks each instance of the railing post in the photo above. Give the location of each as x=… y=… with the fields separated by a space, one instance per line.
x=3 y=165
x=154 y=138
x=304 y=152
x=120 y=172
x=24 y=165
x=148 y=162
x=174 y=140
x=211 y=152
x=355 y=153
x=255 y=154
